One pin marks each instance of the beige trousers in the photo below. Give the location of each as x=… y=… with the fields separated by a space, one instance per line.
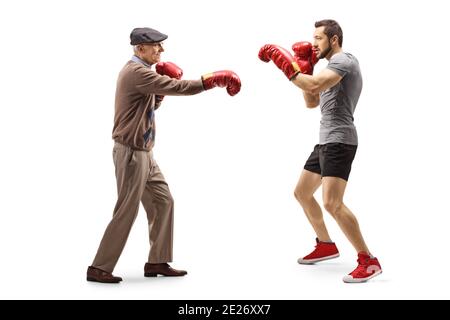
x=139 y=179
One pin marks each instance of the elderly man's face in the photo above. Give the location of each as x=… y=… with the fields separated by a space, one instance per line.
x=151 y=52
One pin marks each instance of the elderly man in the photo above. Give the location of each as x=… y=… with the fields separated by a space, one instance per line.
x=139 y=93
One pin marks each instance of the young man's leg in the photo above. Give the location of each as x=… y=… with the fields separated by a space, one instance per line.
x=309 y=182
x=333 y=194
x=307 y=185
x=325 y=249
x=336 y=162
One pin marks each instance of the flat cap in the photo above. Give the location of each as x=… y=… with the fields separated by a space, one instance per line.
x=146 y=35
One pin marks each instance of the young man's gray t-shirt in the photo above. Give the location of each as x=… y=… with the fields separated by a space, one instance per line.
x=338 y=103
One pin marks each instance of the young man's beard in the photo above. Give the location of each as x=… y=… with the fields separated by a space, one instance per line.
x=326 y=52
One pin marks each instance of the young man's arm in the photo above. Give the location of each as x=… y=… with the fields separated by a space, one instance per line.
x=311 y=100
x=313 y=85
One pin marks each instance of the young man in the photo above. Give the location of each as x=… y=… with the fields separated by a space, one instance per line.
x=139 y=93
x=336 y=89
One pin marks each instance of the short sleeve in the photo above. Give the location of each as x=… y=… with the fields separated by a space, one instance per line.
x=340 y=64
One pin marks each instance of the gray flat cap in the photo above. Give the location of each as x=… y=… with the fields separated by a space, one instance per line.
x=146 y=35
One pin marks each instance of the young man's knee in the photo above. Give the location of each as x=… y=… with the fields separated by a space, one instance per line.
x=332 y=206
x=302 y=196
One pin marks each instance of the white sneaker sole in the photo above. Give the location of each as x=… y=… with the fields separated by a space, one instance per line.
x=312 y=261
x=350 y=279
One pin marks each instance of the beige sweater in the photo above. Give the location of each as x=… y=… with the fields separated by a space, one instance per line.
x=137 y=85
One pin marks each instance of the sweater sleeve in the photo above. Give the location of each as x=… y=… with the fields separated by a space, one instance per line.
x=149 y=82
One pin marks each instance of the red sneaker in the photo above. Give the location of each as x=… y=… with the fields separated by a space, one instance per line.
x=367 y=269
x=323 y=251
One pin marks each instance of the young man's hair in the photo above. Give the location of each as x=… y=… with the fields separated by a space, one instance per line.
x=332 y=28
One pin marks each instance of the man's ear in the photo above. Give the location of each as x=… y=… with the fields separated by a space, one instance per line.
x=334 y=39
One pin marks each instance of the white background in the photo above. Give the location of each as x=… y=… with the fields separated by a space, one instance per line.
x=232 y=162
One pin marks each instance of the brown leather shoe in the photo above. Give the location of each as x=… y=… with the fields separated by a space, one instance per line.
x=98 y=275
x=153 y=269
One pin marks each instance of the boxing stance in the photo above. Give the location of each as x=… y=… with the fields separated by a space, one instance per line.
x=336 y=89
x=140 y=91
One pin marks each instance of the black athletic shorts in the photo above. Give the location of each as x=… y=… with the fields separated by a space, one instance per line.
x=332 y=160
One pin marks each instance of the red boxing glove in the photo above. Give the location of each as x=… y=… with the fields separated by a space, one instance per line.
x=169 y=69
x=224 y=78
x=282 y=59
x=306 y=56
